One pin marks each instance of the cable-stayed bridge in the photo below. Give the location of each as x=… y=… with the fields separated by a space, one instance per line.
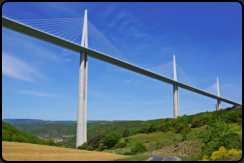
x=64 y=32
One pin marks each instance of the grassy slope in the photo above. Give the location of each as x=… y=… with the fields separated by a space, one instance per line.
x=186 y=150
x=10 y=133
x=106 y=129
x=120 y=126
x=160 y=143
x=150 y=140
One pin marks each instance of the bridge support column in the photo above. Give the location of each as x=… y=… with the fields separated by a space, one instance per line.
x=175 y=92
x=218 y=101
x=219 y=104
x=81 y=135
x=176 y=101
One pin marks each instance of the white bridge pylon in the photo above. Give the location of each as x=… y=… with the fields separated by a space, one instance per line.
x=175 y=92
x=81 y=132
x=218 y=101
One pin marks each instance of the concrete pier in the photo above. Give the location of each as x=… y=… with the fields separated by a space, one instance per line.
x=218 y=101
x=219 y=104
x=176 y=100
x=175 y=92
x=81 y=135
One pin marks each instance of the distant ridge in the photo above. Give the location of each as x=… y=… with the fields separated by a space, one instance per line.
x=39 y=120
x=32 y=121
x=22 y=120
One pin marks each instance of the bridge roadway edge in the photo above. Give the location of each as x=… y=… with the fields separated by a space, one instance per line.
x=12 y=25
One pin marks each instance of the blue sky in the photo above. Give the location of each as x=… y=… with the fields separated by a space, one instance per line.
x=40 y=80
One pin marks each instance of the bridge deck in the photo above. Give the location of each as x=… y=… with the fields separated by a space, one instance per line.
x=7 y=23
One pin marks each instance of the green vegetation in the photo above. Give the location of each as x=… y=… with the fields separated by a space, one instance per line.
x=53 y=129
x=111 y=139
x=69 y=143
x=191 y=137
x=138 y=148
x=10 y=133
x=217 y=135
x=118 y=127
x=126 y=133
x=83 y=146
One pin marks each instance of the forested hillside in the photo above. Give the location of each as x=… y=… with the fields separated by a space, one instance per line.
x=10 y=133
x=182 y=124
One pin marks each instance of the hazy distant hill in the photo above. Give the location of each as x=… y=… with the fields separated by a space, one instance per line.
x=22 y=120
x=51 y=129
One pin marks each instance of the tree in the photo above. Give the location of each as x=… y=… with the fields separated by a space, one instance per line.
x=111 y=139
x=139 y=147
x=195 y=123
x=101 y=147
x=83 y=146
x=151 y=128
x=180 y=128
x=51 y=142
x=95 y=141
x=126 y=133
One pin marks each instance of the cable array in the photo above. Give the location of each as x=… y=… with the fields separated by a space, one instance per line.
x=165 y=70
x=101 y=44
x=212 y=89
x=182 y=77
x=65 y=28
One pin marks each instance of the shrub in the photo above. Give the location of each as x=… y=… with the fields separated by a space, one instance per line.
x=101 y=147
x=167 y=126
x=184 y=137
x=83 y=146
x=51 y=142
x=187 y=129
x=126 y=140
x=95 y=141
x=195 y=123
x=128 y=153
x=239 y=121
x=89 y=148
x=144 y=130
x=173 y=130
x=115 y=146
x=231 y=140
x=126 y=133
x=224 y=155
x=157 y=146
x=231 y=116
x=111 y=139
x=151 y=128
x=139 y=147
x=220 y=135
x=180 y=128
x=119 y=145
x=122 y=145
x=175 y=150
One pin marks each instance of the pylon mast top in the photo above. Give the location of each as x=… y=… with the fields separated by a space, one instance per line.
x=84 y=40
